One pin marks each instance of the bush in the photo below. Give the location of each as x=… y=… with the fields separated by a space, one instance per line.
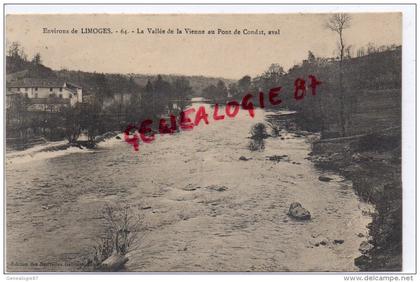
x=259 y=131
x=120 y=235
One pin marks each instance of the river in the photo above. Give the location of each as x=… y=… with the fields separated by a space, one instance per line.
x=55 y=199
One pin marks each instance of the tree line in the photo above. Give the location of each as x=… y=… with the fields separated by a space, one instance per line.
x=114 y=100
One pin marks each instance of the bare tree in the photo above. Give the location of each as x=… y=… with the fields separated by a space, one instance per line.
x=338 y=23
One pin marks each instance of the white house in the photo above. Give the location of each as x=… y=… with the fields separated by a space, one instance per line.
x=41 y=89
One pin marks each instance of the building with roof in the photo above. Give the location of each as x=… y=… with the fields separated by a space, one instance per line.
x=43 y=93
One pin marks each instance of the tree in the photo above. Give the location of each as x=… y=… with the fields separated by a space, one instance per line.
x=181 y=92
x=274 y=74
x=209 y=92
x=72 y=123
x=216 y=93
x=234 y=90
x=91 y=119
x=348 y=52
x=36 y=60
x=270 y=78
x=134 y=108
x=147 y=101
x=17 y=118
x=311 y=57
x=162 y=92
x=371 y=48
x=15 y=50
x=361 y=52
x=338 y=23
x=275 y=70
x=16 y=59
x=244 y=84
x=221 y=91
x=102 y=88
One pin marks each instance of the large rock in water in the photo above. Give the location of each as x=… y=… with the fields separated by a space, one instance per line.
x=298 y=212
x=325 y=178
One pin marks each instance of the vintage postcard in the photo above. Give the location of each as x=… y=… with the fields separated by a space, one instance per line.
x=254 y=142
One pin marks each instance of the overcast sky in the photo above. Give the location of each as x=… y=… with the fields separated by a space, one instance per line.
x=209 y=55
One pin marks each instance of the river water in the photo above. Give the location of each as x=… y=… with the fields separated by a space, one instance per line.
x=203 y=208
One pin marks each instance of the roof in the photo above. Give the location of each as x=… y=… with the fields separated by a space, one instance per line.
x=72 y=85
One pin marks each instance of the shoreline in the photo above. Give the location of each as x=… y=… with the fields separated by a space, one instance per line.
x=373 y=163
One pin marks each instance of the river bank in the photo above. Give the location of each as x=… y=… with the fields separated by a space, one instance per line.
x=373 y=164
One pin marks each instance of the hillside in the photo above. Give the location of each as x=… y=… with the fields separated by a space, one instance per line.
x=17 y=68
x=97 y=83
x=371 y=93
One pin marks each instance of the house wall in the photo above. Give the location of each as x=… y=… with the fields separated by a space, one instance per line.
x=79 y=95
x=46 y=92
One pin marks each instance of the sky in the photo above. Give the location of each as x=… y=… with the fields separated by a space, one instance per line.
x=229 y=56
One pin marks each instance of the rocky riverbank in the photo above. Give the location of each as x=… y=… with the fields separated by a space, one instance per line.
x=373 y=163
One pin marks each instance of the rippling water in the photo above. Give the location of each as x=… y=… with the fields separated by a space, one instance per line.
x=54 y=203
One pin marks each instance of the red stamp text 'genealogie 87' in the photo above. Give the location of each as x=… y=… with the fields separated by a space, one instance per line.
x=187 y=121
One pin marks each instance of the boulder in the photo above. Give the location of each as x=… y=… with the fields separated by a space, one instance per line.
x=114 y=263
x=319 y=241
x=298 y=212
x=362 y=261
x=278 y=158
x=365 y=247
x=218 y=188
x=325 y=178
x=242 y=158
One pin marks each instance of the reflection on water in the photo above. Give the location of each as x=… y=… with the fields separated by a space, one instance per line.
x=205 y=208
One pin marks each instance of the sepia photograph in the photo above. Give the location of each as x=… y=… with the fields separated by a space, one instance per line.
x=187 y=142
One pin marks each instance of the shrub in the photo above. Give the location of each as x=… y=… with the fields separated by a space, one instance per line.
x=121 y=234
x=259 y=131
